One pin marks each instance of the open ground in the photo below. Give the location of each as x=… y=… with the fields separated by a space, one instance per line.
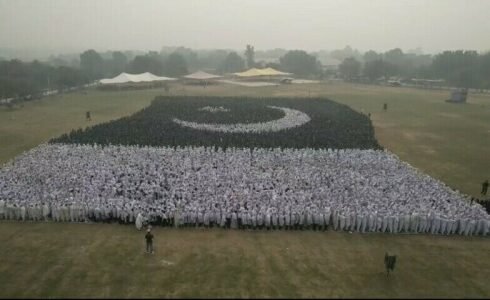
x=449 y=142
x=104 y=260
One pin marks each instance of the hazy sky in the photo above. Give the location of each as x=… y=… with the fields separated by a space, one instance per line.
x=433 y=25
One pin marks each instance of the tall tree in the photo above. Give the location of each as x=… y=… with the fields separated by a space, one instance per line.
x=146 y=63
x=250 y=55
x=190 y=57
x=484 y=70
x=458 y=67
x=232 y=63
x=68 y=77
x=342 y=54
x=175 y=65
x=300 y=63
x=349 y=68
x=212 y=59
x=18 y=79
x=378 y=68
x=118 y=62
x=371 y=55
x=92 y=64
x=395 y=57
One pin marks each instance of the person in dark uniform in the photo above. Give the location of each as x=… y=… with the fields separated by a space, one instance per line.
x=390 y=261
x=484 y=187
x=149 y=241
x=385 y=106
x=87 y=115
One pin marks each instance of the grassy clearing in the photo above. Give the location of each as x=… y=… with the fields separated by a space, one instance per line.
x=103 y=260
x=36 y=122
x=448 y=141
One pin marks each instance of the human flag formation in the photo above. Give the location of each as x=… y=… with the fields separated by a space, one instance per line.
x=239 y=163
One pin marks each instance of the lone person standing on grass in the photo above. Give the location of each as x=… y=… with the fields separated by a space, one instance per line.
x=149 y=241
x=87 y=116
x=484 y=187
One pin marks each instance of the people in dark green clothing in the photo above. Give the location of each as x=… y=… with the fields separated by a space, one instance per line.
x=484 y=187
x=149 y=241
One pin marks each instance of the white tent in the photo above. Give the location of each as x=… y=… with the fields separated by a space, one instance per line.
x=200 y=75
x=132 y=78
x=254 y=72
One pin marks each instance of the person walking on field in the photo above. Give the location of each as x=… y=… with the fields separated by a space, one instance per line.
x=484 y=187
x=149 y=241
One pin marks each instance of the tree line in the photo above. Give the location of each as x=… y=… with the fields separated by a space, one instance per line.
x=175 y=62
x=458 y=68
x=29 y=79
x=19 y=79
x=462 y=68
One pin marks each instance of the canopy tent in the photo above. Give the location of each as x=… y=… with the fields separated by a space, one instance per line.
x=254 y=72
x=133 y=78
x=272 y=72
x=200 y=75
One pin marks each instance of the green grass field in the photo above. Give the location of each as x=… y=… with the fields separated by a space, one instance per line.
x=103 y=260
x=447 y=141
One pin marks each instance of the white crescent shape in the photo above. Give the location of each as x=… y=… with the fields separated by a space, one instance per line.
x=292 y=118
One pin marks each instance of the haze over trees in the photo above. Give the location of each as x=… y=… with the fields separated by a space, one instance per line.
x=460 y=68
x=344 y=53
x=378 y=68
x=118 y=62
x=350 y=68
x=175 y=65
x=150 y=62
x=464 y=68
x=233 y=63
x=92 y=64
x=300 y=63
x=27 y=79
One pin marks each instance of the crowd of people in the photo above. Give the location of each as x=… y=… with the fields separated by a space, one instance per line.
x=249 y=122
x=485 y=203
x=214 y=109
x=351 y=190
x=292 y=118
